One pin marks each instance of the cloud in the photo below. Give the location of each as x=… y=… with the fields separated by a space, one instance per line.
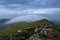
x=10 y=13
x=10 y=10
x=46 y=11
x=33 y=3
x=40 y=11
x=14 y=8
x=26 y=18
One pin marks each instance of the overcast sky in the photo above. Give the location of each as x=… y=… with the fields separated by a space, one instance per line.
x=15 y=8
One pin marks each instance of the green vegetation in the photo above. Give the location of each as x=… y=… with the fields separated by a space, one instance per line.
x=21 y=25
x=16 y=26
x=28 y=29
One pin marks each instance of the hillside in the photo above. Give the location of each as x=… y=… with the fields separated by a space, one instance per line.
x=42 y=29
x=21 y=25
x=3 y=21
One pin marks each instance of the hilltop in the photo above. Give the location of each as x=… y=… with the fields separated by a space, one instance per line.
x=21 y=25
x=42 y=29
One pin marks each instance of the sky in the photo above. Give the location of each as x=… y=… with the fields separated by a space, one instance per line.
x=19 y=8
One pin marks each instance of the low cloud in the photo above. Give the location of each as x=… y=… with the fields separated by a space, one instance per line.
x=21 y=8
x=26 y=18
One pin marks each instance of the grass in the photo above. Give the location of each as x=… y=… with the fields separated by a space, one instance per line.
x=21 y=25
x=17 y=26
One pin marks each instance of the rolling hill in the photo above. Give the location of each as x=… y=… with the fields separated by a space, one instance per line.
x=27 y=30
x=21 y=25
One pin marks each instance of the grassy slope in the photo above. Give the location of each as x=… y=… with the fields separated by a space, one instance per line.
x=17 y=26
x=21 y=25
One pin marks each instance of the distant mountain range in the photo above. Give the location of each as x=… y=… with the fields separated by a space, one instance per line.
x=56 y=22
x=2 y=25
x=2 y=21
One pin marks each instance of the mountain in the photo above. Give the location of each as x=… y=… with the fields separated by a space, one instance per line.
x=2 y=25
x=22 y=25
x=42 y=29
x=3 y=21
x=53 y=16
x=56 y=22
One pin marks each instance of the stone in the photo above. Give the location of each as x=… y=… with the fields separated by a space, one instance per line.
x=19 y=30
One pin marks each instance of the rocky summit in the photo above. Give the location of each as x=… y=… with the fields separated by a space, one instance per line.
x=39 y=30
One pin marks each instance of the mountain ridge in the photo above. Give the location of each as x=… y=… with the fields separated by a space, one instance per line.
x=22 y=25
x=42 y=29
